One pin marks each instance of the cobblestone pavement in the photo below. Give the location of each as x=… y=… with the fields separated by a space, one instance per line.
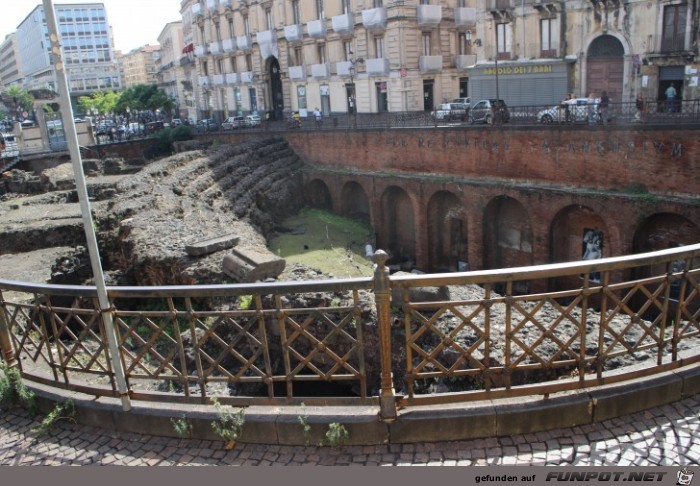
x=665 y=436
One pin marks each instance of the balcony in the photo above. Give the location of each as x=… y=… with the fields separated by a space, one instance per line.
x=218 y=80
x=374 y=20
x=232 y=78
x=342 y=68
x=501 y=10
x=297 y=73
x=294 y=33
x=213 y=6
x=267 y=41
x=244 y=43
x=429 y=16
x=465 y=61
x=197 y=11
x=378 y=66
x=228 y=4
x=430 y=64
x=344 y=25
x=247 y=77
x=465 y=19
x=215 y=48
x=200 y=51
x=229 y=45
x=320 y=71
x=317 y=28
x=203 y=81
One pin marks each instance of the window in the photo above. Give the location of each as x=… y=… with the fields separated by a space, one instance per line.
x=465 y=44
x=246 y=25
x=503 y=41
x=425 y=2
x=295 y=12
x=346 y=7
x=220 y=63
x=347 y=47
x=675 y=17
x=321 y=50
x=462 y=3
x=217 y=29
x=248 y=62
x=231 y=32
x=268 y=19
x=379 y=47
x=547 y=38
x=426 y=44
x=233 y=64
x=298 y=58
x=378 y=3
x=319 y=9
x=205 y=68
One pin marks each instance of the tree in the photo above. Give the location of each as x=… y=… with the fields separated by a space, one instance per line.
x=17 y=99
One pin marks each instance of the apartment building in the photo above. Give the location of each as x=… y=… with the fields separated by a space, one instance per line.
x=87 y=45
x=10 y=68
x=171 y=74
x=373 y=56
x=139 y=66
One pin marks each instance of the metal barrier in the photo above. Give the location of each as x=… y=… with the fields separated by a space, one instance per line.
x=388 y=340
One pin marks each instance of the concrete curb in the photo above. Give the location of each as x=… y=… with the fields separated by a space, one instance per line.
x=282 y=425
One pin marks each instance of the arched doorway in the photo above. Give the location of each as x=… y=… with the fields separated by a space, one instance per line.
x=276 y=95
x=397 y=232
x=447 y=233
x=605 y=67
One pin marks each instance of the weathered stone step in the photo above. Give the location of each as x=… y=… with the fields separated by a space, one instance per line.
x=212 y=245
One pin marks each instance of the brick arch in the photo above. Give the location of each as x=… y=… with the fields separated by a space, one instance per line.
x=318 y=195
x=664 y=230
x=397 y=226
x=507 y=234
x=568 y=229
x=354 y=202
x=447 y=232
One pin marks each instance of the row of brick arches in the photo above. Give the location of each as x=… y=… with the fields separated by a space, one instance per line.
x=447 y=228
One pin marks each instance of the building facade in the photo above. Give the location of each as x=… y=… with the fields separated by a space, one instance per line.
x=171 y=74
x=373 y=56
x=139 y=66
x=87 y=45
x=10 y=68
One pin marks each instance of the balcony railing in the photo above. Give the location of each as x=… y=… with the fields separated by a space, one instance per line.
x=379 y=66
x=320 y=71
x=196 y=11
x=317 y=28
x=218 y=79
x=297 y=73
x=344 y=25
x=247 y=77
x=465 y=19
x=213 y=6
x=465 y=61
x=232 y=79
x=229 y=45
x=203 y=81
x=374 y=19
x=342 y=68
x=430 y=64
x=294 y=33
x=429 y=16
x=201 y=51
x=244 y=43
x=215 y=48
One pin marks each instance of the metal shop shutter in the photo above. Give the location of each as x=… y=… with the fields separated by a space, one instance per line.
x=671 y=73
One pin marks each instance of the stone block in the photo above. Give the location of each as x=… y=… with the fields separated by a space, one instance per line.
x=246 y=265
x=419 y=294
x=212 y=245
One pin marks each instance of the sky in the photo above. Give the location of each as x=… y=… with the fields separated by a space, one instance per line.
x=135 y=23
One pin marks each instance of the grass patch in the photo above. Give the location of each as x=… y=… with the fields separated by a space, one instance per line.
x=325 y=241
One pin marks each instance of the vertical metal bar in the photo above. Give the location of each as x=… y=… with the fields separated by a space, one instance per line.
x=583 y=331
x=488 y=303
x=181 y=347
x=262 y=329
x=197 y=350
x=509 y=333
x=603 y=323
x=382 y=299
x=357 y=315
x=281 y=317
x=8 y=354
x=74 y=150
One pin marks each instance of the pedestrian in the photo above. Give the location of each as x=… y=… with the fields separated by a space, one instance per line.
x=565 y=104
x=639 y=104
x=318 y=116
x=603 y=107
x=591 y=109
x=670 y=97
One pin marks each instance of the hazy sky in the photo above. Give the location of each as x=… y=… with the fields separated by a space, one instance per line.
x=134 y=22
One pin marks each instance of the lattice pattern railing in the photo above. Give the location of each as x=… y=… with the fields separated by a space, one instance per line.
x=522 y=339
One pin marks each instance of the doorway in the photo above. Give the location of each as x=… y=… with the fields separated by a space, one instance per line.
x=605 y=68
x=350 y=96
x=428 y=97
x=382 y=98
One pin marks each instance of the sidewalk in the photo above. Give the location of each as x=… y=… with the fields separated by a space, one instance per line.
x=665 y=436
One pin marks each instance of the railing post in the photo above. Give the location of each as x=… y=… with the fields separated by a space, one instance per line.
x=8 y=355
x=382 y=299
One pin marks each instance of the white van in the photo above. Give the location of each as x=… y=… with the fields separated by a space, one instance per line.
x=9 y=149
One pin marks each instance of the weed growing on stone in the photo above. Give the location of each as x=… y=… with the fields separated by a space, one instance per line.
x=182 y=427
x=305 y=426
x=229 y=425
x=13 y=391
x=61 y=411
x=336 y=436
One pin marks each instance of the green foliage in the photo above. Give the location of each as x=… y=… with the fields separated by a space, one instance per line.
x=13 y=391
x=182 y=426
x=61 y=411
x=305 y=426
x=336 y=436
x=245 y=302
x=18 y=98
x=166 y=137
x=229 y=425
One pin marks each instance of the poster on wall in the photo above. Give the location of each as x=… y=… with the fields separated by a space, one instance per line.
x=592 y=248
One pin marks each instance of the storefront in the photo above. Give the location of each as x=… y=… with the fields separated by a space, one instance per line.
x=538 y=82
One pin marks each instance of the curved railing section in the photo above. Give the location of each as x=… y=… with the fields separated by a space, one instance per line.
x=393 y=341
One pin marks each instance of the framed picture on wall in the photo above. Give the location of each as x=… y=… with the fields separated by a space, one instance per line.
x=592 y=248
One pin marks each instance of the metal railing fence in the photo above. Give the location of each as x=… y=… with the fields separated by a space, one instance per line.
x=376 y=340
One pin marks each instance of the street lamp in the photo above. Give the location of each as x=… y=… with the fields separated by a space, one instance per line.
x=352 y=102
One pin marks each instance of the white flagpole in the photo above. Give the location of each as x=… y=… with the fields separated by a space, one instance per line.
x=74 y=150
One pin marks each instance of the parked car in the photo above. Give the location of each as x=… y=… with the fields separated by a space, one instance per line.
x=153 y=127
x=578 y=109
x=465 y=102
x=9 y=148
x=175 y=122
x=134 y=129
x=207 y=125
x=486 y=111
x=233 y=122
x=253 y=120
x=449 y=111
